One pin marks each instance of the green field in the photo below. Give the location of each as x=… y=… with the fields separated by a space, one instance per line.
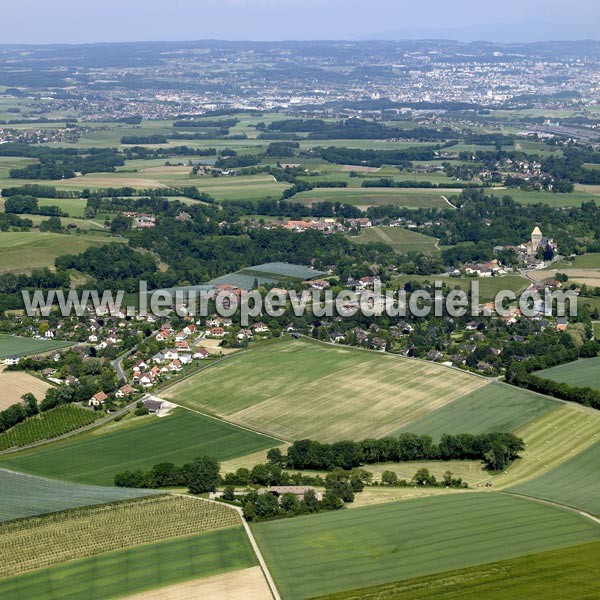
x=488 y=286
x=573 y=483
x=346 y=550
x=422 y=198
x=47 y=425
x=551 y=439
x=298 y=388
x=124 y=572
x=74 y=207
x=251 y=187
x=584 y=261
x=24 y=495
x=581 y=373
x=402 y=240
x=495 y=407
x=95 y=457
x=84 y=224
x=20 y=346
x=24 y=251
x=558 y=200
x=92 y=530
x=566 y=573
x=14 y=162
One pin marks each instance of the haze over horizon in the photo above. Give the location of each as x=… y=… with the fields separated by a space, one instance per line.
x=68 y=21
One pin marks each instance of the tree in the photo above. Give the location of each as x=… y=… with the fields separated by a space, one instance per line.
x=289 y=503
x=275 y=457
x=229 y=493
x=424 y=477
x=265 y=474
x=120 y=224
x=310 y=501
x=249 y=511
x=389 y=478
x=331 y=501
x=266 y=505
x=31 y=407
x=53 y=224
x=202 y=475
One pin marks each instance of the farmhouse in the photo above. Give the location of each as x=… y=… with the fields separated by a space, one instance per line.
x=11 y=360
x=297 y=490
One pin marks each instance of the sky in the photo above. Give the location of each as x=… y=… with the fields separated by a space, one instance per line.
x=84 y=21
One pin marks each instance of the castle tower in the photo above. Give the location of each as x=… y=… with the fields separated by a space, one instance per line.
x=536 y=240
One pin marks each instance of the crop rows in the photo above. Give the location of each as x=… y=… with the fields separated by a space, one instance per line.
x=23 y=495
x=41 y=541
x=51 y=424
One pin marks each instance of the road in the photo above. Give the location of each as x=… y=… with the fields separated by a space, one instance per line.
x=118 y=362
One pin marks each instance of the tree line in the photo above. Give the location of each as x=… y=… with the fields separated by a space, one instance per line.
x=495 y=449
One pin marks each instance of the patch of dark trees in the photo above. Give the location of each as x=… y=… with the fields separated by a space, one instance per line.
x=495 y=449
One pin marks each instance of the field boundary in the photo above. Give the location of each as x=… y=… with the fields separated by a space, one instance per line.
x=257 y=552
x=566 y=507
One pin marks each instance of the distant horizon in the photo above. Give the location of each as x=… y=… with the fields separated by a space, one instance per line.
x=307 y=40
x=38 y=22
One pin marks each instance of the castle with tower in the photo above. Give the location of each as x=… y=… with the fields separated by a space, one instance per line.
x=538 y=241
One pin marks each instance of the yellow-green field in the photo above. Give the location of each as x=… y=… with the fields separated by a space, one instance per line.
x=364 y=197
x=349 y=549
x=299 y=389
x=402 y=240
x=24 y=251
x=551 y=440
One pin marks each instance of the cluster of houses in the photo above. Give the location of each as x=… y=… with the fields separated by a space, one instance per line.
x=141 y=221
x=148 y=372
x=484 y=269
x=325 y=225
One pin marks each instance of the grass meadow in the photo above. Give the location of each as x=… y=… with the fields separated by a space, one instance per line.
x=95 y=457
x=345 y=550
x=299 y=388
